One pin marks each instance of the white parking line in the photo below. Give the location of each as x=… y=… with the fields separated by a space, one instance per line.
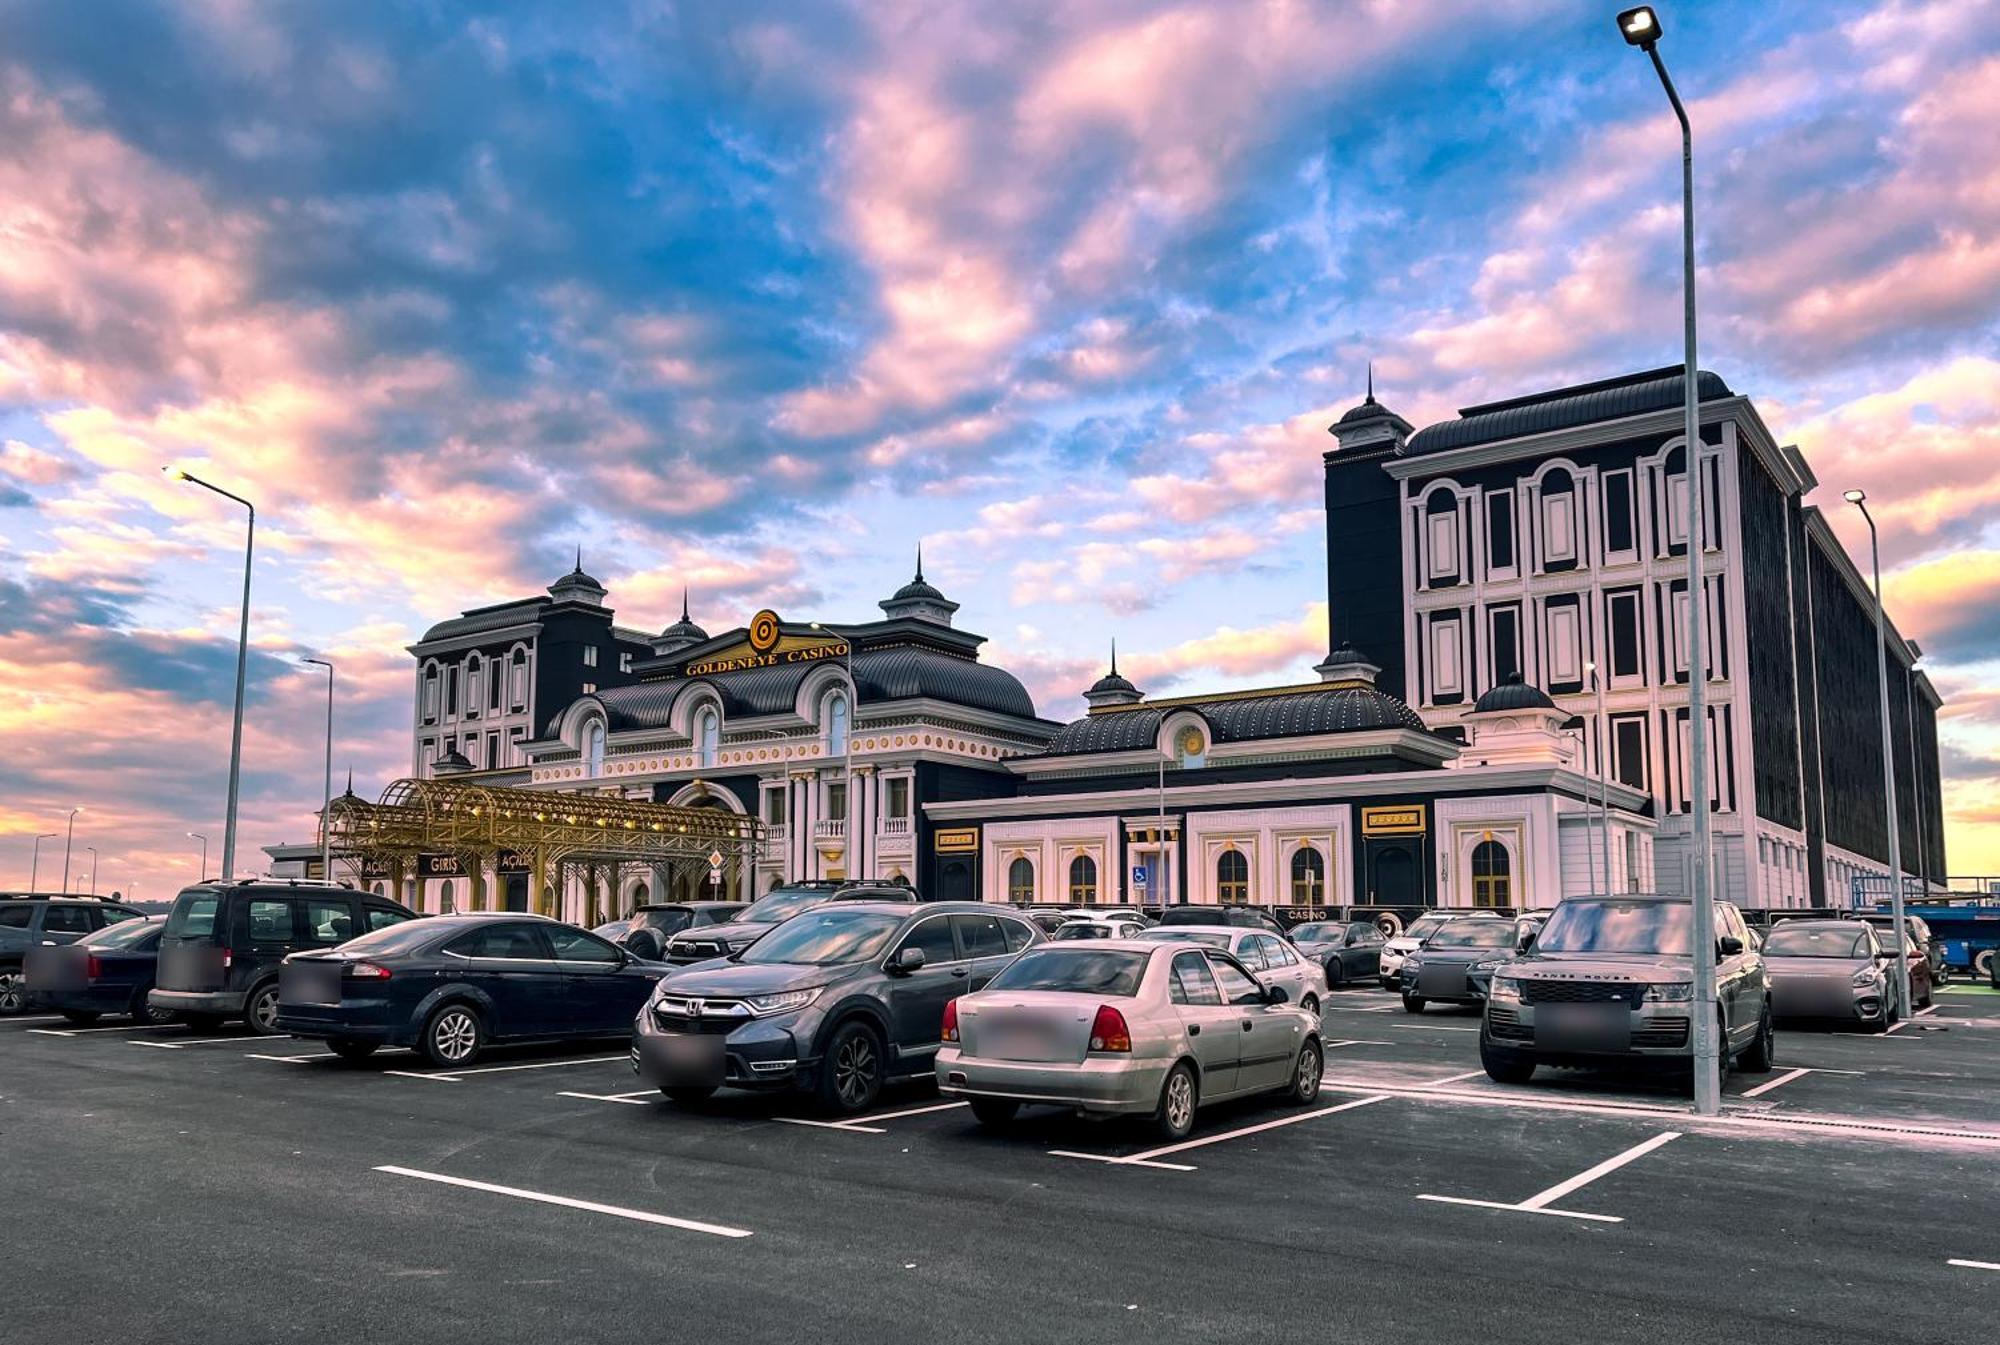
x=33 y=1018
x=1539 y=1202
x=860 y=1124
x=83 y=1029
x=618 y=1211
x=460 y=1075
x=1778 y=1082
x=290 y=1059
x=1975 y=1265
x=176 y=1045
x=632 y=1099
x=1435 y=1027
x=1353 y=1041
x=1149 y=1158
x=1439 y=1083
x=1350 y=1008
x=417 y=1074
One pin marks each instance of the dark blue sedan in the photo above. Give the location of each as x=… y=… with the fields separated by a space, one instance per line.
x=450 y=985
x=106 y=971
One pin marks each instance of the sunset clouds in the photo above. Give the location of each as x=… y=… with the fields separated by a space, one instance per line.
x=750 y=299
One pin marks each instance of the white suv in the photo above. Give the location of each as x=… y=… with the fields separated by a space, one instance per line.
x=1421 y=928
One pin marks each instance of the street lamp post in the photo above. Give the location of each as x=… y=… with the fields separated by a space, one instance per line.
x=1859 y=499
x=326 y=792
x=1641 y=28
x=242 y=666
x=1602 y=733
x=93 y=868
x=197 y=836
x=35 y=859
x=69 y=836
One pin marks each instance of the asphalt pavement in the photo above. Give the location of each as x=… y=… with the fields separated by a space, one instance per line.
x=166 y=1186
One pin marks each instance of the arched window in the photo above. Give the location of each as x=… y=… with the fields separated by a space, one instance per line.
x=1021 y=881
x=1492 y=875
x=1308 y=877
x=593 y=749
x=836 y=724
x=707 y=735
x=446 y=905
x=1232 y=878
x=1083 y=881
x=1190 y=749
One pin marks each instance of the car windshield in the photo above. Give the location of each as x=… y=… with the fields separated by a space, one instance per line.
x=1108 y=971
x=1084 y=929
x=826 y=938
x=1822 y=941
x=390 y=940
x=1315 y=933
x=1614 y=926
x=1214 y=938
x=1473 y=934
x=1426 y=926
x=124 y=934
x=782 y=903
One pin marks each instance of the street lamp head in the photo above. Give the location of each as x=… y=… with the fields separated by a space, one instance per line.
x=175 y=473
x=1855 y=496
x=1640 y=27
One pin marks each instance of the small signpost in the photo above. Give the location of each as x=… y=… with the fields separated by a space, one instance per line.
x=715 y=871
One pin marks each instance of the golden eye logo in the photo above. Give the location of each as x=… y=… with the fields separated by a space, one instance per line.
x=1190 y=744
x=764 y=631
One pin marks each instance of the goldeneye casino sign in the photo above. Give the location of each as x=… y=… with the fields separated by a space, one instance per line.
x=767 y=645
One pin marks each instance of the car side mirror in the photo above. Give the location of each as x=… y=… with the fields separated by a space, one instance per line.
x=907 y=960
x=1729 y=945
x=1275 y=994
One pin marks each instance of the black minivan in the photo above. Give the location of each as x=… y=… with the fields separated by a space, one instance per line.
x=223 y=942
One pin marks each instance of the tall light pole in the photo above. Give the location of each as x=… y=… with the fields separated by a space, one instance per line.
x=242 y=666
x=1859 y=499
x=851 y=834
x=1602 y=735
x=69 y=836
x=35 y=859
x=326 y=793
x=93 y=868
x=1916 y=652
x=1641 y=28
x=197 y=836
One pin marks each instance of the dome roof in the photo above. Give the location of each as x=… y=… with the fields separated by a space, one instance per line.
x=1307 y=711
x=684 y=631
x=1366 y=411
x=1513 y=694
x=1564 y=408
x=1112 y=681
x=450 y=763
x=917 y=588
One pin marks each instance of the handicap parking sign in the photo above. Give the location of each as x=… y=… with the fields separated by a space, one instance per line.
x=1139 y=875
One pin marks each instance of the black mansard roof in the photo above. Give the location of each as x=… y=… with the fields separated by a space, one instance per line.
x=1280 y=712
x=1564 y=408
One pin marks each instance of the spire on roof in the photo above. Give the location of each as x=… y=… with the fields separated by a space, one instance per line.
x=1114 y=656
x=684 y=603
x=1371 y=383
x=919 y=599
x=579 y=558
x=350 y=782
x=1112 y=689
x=920 y=560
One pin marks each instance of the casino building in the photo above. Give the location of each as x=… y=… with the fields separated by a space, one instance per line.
x=1493 y=581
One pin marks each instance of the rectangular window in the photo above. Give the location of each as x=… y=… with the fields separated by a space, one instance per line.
x=520 y=682
x=624 y=660
x=1559 y=527
x=590 y=688
x=493 y=761
x=450 y=692
x=1622 y=620
x=270 y=921
x=496 y=673
x=1447 y=682
x=1442 y=535
x=590 y=656
x=899 y=797
x=1620 y=534
x=431 y=699
x=1500 y=530
x=836 y=801
x=1505 y=642
x=1564 y=662
x=1628 y=751
x=774 y=807
x=1677 y=510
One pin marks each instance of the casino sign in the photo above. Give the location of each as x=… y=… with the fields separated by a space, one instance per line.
x=767 y=646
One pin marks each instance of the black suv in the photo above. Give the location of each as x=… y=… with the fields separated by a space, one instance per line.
x=647 y=932
x=220 y=953
x=1245 y=917
x=30 y=921
x=836 y=1000
x=768 y=911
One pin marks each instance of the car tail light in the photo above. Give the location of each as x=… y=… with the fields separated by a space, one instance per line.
x=367 y=971
x=226 y=959
x=92 y=968
x=1108 y=1031
x=951 y=1020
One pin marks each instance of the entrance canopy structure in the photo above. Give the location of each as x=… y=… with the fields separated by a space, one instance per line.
x=446 y=828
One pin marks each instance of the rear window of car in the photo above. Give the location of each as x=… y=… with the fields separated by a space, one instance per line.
x=398 y=938
x=1086 y=971
x=67 y=920
x=193 y=916
x=1805 y=941
x=1316 y=933
x=1212 y=937
x=18 y=916
x=124 y=934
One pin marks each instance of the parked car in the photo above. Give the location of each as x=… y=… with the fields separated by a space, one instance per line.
x=1050 y=918
x=767 y=913
x=1456 y=963
x=1390 y=964
x=109 y=970
x=224 y=942
x=1096 y=927
x=1269 y=957
x=652 y=925
x=30 y=921
x=1246 y=917
x=1347 y=950
x=1830 y=969
x=1131 y=1027
x=1920 y=970
x=1931 y=946
x=837 y=1001
x=450 y=985
x=1611 y=978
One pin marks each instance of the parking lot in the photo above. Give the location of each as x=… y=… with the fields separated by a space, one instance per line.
x=168 y=1186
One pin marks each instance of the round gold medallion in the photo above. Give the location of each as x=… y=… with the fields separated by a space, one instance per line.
x=764 y=631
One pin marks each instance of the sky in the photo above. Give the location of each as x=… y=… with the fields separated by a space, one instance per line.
x=752 y=299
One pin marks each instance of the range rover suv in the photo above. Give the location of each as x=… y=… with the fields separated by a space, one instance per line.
x=1611 y=979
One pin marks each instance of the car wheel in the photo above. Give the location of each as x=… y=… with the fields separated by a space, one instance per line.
x=646 y=943
x=1306 y=1074
x=352 y=1050
x=454 y=1036
x=1310 y=1004
x=1762 y=1052
x=1179 y=1096
x=142 y=1009
x=1336 y=974
x=260 y=1010
x=1503 y=1065
x=994 y=1111
x=1986 y=963
x=686 y=1095
x=13 y=991
x=850 y=1077
x=81 y=1016
x=1413 y=1004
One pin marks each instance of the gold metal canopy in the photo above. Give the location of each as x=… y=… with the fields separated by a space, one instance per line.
x=544 y=835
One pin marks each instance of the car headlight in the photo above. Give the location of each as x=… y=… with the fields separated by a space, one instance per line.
x=1489 y=964
x=784 y=1001
x=1674 y=992
x=1413 y=963
x=1866 y=978
x=1506 y=988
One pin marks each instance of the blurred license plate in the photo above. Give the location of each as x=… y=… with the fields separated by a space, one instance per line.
x=308 y=984
x=1583 y=1027
x=695 y=1058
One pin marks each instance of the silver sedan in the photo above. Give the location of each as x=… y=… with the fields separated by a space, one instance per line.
x=1126 y=1027
x=1270 y=959
x=1829 y=969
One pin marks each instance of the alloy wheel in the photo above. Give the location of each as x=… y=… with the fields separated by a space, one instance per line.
x=11 y=995
x=1180 y=1100
x=456 y=1035
x=854 y=1069
x=1306 y=1081
x=264 y=1011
